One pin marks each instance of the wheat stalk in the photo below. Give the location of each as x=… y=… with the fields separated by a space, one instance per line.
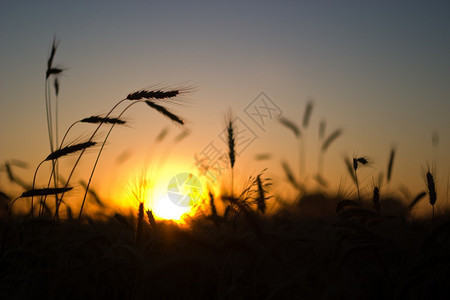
x=98 y=119
x=349 y=167
x=302 y=142
x=376 y=198
x=431 y=192
x=291 y=125
x=356 y=161
x=149 y=103
x=213 y=206
x=231 y=147
x=151 y=219
x=307 y=114
x=69 y=150
x=322 y=129
x=417 y=199
x=231 y=143
x=38 y=192
x=261 y=200
x=44 y=192
x=325 y=145
x=330 y=139
x=139 y=222
x=390 y=165
x=290 y=176
x=165 y=112
x=153 y=94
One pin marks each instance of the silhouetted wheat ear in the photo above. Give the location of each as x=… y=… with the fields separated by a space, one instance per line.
x=355 y=164
x=231 y=142
x=376 y=198
x=182 y=135
x=290 y=175
x=69 y=149
x=98 y=119
x=45 y=192
x=330 y=139
x=213 y=206
x=156 y=94
x=226 y=214
x=151 y=219
x=380 y=179
x=139 y=221
x=263 y=156
x=53 y=71
x=291 y=125
x=307 y=115
x=261 y=201
x=350 y=168
x=359 y=160
x=9 y=172
x=56 y=86
x=431 y=188
x=52 y=53
x=165 y=112
x=434 y=139
x=162 y=134
x=322 y=129
x=390 y=165
x=417 y=199
x=320 y=180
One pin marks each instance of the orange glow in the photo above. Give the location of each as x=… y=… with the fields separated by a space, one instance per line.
x=163 y=208
x=152 y=189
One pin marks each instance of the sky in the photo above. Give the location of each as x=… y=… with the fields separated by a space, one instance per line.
x=380 y=70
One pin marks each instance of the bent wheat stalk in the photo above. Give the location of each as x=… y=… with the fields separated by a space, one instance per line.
x=325 y=145
x=158 y=108
x=135 y=97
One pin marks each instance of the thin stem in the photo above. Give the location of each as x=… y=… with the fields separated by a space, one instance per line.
x=41 y=210
x=232 y=182
x=357 y=186
x=98 y=157
x=10 y=206
x=50 y=117
x=48 y=113
x=50 y=126
x=299 y=160
x=56 y=139
x=302 y=156
x=48 y=186
x=56 y=123
x=34 y=181
x=432 y=218
x=90 y=140
x=320 y=163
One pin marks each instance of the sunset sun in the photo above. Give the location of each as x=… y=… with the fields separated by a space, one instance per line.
x=169 y=193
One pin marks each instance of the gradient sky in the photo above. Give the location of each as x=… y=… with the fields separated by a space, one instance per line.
x=378 y=69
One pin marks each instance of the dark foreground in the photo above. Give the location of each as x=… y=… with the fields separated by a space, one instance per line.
x=356 y=253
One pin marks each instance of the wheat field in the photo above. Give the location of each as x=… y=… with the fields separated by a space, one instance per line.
x=239 y=241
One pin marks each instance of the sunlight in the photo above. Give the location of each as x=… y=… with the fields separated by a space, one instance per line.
x=169 y=193
x=163 y=208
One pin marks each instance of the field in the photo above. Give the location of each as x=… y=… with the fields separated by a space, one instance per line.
x=316 y=245
x=356 y=253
